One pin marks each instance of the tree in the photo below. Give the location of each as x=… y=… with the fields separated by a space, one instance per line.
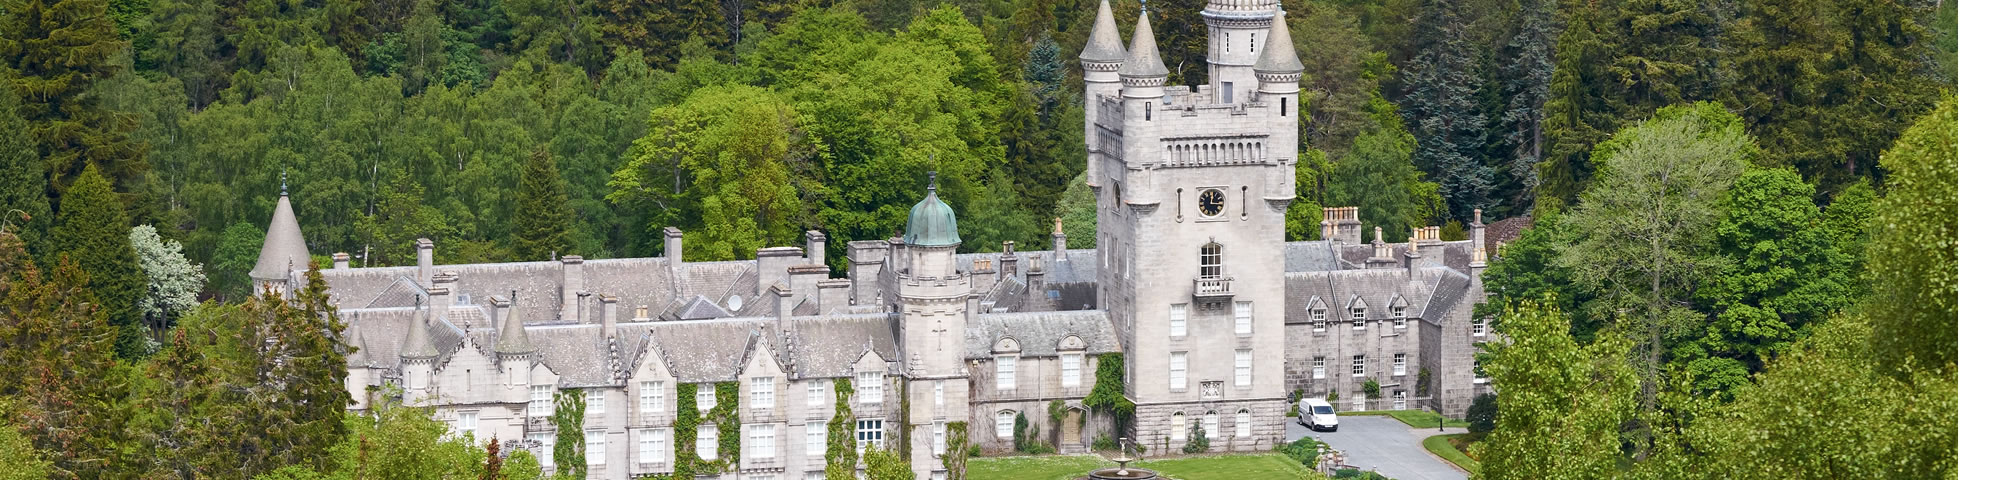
x=568 y=456
x=1376 y=175
x=19 y=460
x=723 y=165
x=171 y=281
x=1579 y=112
x=1480 y=415
x=24 y=201
x=1914 y=261
x=1560 y=404
x=282 y=394
x=542 y=216
x=1527 y=76
x=1646 y=227
x=1079 y=214
x=59 y=361
x=403 y=218
x=1530 y=268
x=1443 y=106
x=91 y=230
x=188 y=46
x=57 y=50
x=884 y=464
x=229 y=272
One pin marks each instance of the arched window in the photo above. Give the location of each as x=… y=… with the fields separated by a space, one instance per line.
x=1211 y=425
x=1003 y=425
x=1177 y=427
x=1211 y=260
x=1243 y=422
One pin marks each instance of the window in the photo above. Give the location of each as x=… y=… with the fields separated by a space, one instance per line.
x=815 y=393
x=653 y=397
x=1400 y=361
x=1398 y=313
x=1253 y=43
x=1478 y=371
x=546 y=453
x=705 y=441
x=868 y=433
x=1478 y=327
x=704 y=396
x=760 y=441
x=468 y=422
x=820 y=475
x=541 y=401
x=1282 y=104
x=1359 y=313
x=1360 y=366
x=1402 y=400
x=1242 y=318
x=937 y=395
x=1360 y=400
x=1004 y=371
x=1318 y=315
x=1072 y=370
x=1228 y=90
x=1177 y=370
x=1003 y=425
x=593 y=402
x=816 y=438
x=870 y=386
x=1211 y=261
x=1243 y=423
x=653 y=445
x=593 y=447
x=1177 y=427
x=1177 y=320
x=937 y=438
x=1225 y=42
x=1149 y=111
x=1211 y=425
x=1319 y=368
x=1242 y=368
x=763 y=393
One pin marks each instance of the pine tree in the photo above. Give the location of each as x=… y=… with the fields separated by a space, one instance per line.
x=1443 y=104
x=542 y=215
x=56 y=358
x=24 y=201
x=91 y=230
x=1527 y=77
x=57 y=50
x=1578 y=113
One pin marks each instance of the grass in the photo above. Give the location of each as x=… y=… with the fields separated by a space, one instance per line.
x=1069 y=467
x=1413 y=418
x=1443 y=446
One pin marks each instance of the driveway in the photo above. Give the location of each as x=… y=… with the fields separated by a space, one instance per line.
x=1384 y=444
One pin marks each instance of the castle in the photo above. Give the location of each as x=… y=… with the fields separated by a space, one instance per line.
x=1218 y=319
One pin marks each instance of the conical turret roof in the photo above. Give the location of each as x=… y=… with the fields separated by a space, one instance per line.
x=513 y=335
x=1278 y=55
x=417 y=339
x=1143 y=59
x=284 y=245
x=1104 y=45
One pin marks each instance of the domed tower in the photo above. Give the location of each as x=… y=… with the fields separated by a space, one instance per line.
x=1237 y=31
x=284 y=247
x=934 y=296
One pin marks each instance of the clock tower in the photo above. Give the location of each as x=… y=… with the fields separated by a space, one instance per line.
x=1192 y=188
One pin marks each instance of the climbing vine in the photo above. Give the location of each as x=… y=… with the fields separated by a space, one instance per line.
x=1109 y=392
x=840 y=454
x=569 y=459
x=688 y=419
x=903 y=398
x=957 y=444
x=1424 y=382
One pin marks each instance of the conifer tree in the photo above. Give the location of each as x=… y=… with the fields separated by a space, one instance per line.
x=1577 y=114
x=1443 y=105
x=91 y=230
x=56 y=50
x=542 y=215
x=24 y=200
x=1526 y=81
x=56 y=358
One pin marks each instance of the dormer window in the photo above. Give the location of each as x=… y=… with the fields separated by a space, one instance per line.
x=1358 y=312
x=1399 y=312
x=1211 y=261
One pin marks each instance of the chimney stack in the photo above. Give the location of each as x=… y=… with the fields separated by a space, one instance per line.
x=1060 y=242
x=1008 y=259
x=673 y=246
x=783 y=306
x=449 y=282
x=607 y=306
x=1385 y=256
x=500 y=307
x=424 y=261
x=1478 y=240
x=340 y=260
x=1347 y=224
x=815 y=248
x=440 y=303
x=572 y=288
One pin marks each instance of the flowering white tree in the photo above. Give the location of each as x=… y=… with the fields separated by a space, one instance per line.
x=171 y=280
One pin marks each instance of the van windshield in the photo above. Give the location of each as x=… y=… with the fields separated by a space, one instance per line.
x=1320 y=409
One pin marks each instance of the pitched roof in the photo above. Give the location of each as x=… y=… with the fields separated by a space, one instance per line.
x=284 y=245
x=1040 y=333
x=1143 y=59
x=1103 y=46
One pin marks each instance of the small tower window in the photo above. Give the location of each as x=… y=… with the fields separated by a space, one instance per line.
x=1282 y=103
x=1149 y=111
x=1253 y=43
x=1225 y=42
x=1211 y=260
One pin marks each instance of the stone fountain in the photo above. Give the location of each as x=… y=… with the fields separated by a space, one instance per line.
x=1122 y=472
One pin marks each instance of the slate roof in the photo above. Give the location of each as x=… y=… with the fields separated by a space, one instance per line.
x=827 y=346
x=1143 y=59
x=1103 y=45
x=1429 y=293
x=284 y=245
x=1278 y=55
x=1039 y=332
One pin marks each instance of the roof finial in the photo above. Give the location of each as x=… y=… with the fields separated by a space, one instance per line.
x=933 y=181
x=284 y=182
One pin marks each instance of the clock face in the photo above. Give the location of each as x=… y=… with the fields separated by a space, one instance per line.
x=1210 y=202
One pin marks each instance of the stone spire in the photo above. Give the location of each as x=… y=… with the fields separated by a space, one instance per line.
x=1278 y=55
x=1143 y=59
x=513 y=335
x=417 y=340
x=1103 y=46
x=284 y=245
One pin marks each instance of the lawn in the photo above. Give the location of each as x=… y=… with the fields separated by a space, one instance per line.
x=1413 y=418
x=1069 y=467
x=1441 y=445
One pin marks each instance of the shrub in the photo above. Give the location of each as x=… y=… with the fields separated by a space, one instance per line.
x=1480 y=415
x=1305 y=450
x=1197 y=439
x=1104 y=442
x=1371 y=389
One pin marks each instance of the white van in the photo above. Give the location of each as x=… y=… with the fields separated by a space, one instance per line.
x=1318 y=415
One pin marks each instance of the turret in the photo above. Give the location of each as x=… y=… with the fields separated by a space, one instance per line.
x=419 y=355
x=1144 y=74
x=1102 y=56
x=933 y=291
x=1236 y=35
x=1278 y=70
x=284 y=246
x=514 y=348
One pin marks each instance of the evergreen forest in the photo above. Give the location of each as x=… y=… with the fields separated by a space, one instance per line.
x=1742 y=260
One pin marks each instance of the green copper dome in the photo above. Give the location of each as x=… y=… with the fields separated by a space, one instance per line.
x=932 y=223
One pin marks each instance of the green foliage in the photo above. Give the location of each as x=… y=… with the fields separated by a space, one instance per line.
x=1108 y=394
x=1375 y=175
x=568 y=418
x=689 y=418
x=542 y=216
x=1079 y=213
x=1914 y=262
x=1442 y=107
x=91 y=230
x=1481 y=414
x=1560 y=404
x=1197 y=440
x=1305 y=450
x=404 y=217
x=171 y=282
x=886 y=465
x=841 y=457
x=724 y=164
x=229 y=271
x=958 y=450
x=1371 y=389
x=1423 y=382
x=1358 y=474
x=55 y=51
x=66 y=387
x=24 y=201
x=19 y=460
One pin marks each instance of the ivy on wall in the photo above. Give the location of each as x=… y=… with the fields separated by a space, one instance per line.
x=903 y=398
x=688 y=418
x=957 y=443
x=840 y=454
x=569 y=459
x=1109 y=392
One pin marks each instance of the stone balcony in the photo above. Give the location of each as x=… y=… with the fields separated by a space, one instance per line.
x=1213 y=289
